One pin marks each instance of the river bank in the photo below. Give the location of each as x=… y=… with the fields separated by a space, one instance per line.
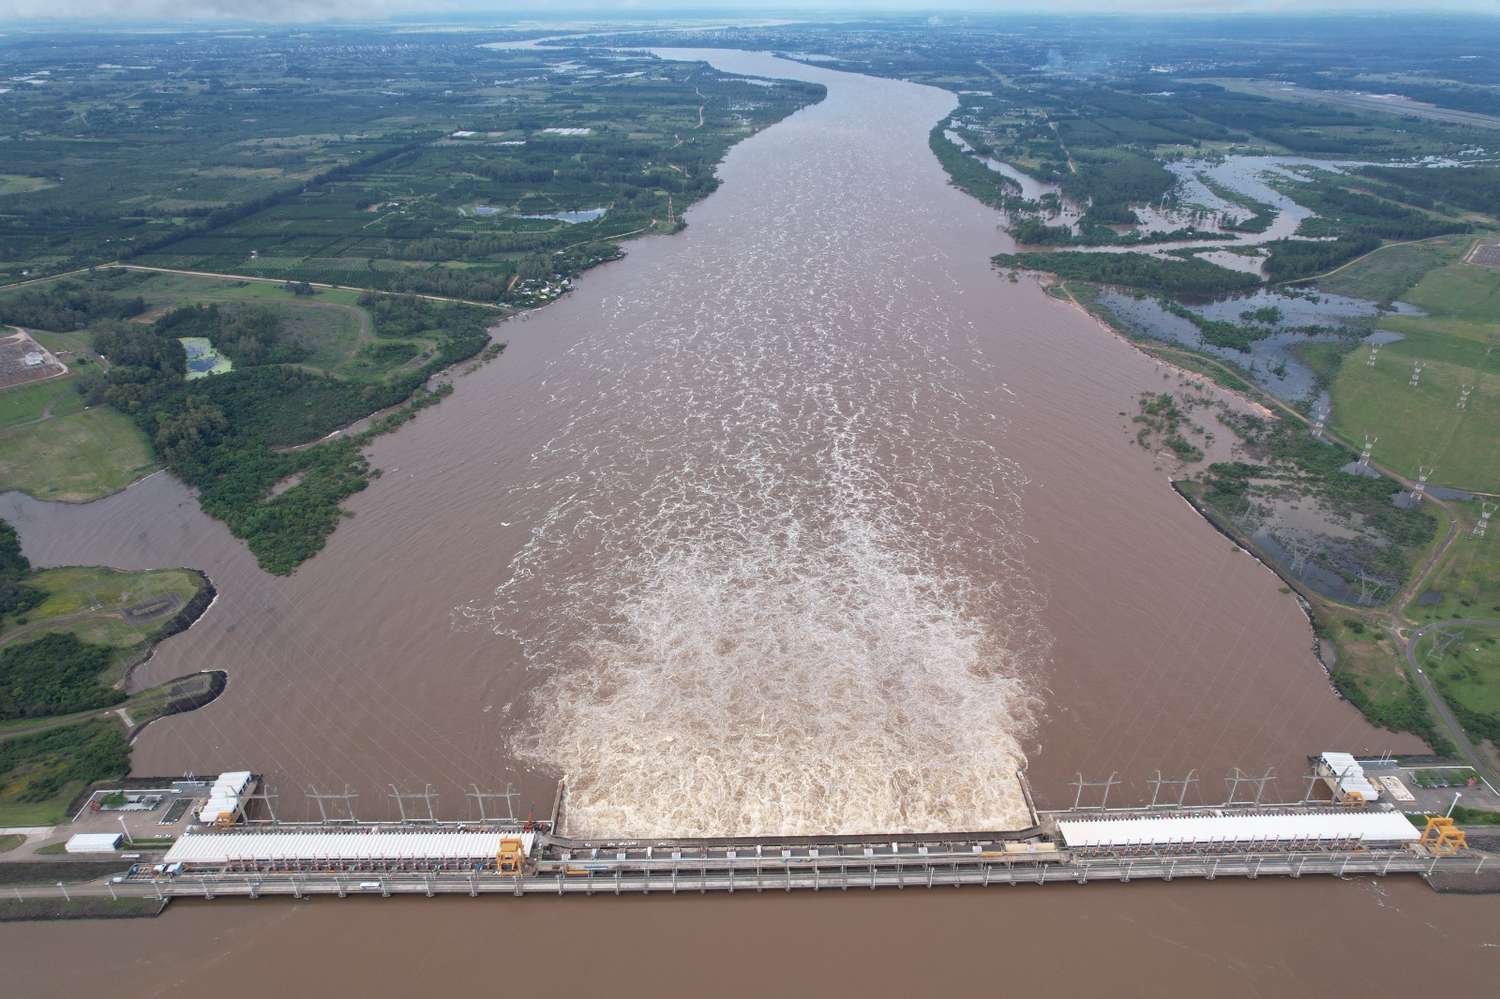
x=663 y=459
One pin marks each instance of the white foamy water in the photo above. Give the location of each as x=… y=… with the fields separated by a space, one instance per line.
x=775 y=582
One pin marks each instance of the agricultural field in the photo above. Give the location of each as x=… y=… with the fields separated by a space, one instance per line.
x=1454 y=342
x=436 y=166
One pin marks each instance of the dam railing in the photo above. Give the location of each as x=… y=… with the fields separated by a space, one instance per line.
x=673 y=876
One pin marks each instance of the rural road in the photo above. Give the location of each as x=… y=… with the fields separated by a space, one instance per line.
x=1476 y=756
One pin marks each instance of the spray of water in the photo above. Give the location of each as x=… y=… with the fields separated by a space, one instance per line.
x=775 y=582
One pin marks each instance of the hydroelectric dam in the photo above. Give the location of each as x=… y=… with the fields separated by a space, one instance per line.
x=1351 y=833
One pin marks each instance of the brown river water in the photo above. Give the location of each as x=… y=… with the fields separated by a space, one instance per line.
x=802 y=520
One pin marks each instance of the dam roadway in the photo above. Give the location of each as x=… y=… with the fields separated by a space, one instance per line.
x=299 y=860
x=641 y=875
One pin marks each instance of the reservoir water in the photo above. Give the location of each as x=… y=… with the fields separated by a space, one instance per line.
x=802 y=519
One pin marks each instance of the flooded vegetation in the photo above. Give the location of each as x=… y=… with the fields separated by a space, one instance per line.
x=1262 y=335
x=804 y=518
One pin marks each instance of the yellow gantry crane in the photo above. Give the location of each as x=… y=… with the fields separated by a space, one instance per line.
x=1442 y=837
x=511 y=856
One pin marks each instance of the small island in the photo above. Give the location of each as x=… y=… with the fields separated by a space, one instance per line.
x=69 y=639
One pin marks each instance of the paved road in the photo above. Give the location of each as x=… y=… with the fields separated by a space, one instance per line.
x=1474 y=754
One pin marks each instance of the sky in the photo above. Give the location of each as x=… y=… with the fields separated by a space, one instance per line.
x=355 y=10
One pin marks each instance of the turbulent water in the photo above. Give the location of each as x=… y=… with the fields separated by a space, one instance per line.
x=751 y=531
x=804 y=606
x=800 y=520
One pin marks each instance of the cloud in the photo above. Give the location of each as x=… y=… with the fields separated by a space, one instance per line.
x=369 y=10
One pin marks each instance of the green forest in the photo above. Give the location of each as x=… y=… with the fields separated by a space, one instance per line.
x=224 y=434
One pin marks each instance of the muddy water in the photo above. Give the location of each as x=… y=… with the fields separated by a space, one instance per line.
x=1251 y=939
x=799 y=519
x=801 y=505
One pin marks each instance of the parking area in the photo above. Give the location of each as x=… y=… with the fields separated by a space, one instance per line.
x=146 y=816
x=1429 y=788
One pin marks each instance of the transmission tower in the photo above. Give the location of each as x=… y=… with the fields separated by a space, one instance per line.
x=1299 y=556
x=1374 y=352
x=508 y=796
x=1312 y=781
x=1364 y=453
x=1237 y=777
x=1419 y=488
x=1486 y=511
x=1320 y=419
x=1463 y=396
x=1108 y=783
x=1416 y=373
x=1181 y=783
x=1371 y=590
x=426 y=794
x=267 y=794
x=347 y=797
x=1445 y=641
x=1246 y=519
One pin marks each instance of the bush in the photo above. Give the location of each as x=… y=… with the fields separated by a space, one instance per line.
x=15 y=596
x=53 y=675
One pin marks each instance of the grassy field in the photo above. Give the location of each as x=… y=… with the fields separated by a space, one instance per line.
x=13 y=183
x=91 y=602
x=21 y=910
x=1454 y=341
x=338 y=333
x=10 y=841
x=1390 y=272
x=54 y=449
x=1371 y=674
x=1468 y=579
x=1467 y=671
x=330 y=322
x=40 y=774
x=28 y=403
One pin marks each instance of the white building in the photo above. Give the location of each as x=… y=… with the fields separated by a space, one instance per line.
x=1347 y=778
x=93 y=843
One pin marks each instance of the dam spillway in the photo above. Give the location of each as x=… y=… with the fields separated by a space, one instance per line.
x=1077 y=845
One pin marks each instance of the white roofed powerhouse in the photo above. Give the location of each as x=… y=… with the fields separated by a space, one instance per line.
x=344 y=847
x=1253 y=827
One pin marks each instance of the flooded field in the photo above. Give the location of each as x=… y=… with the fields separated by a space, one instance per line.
x=802 y=519
x=1272 y=361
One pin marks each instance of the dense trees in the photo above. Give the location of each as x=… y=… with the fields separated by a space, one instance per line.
x=1108 y=180
x=222 y=435
x=144 y=365
x=34 y=768
x=56 y=674
x=1292 y=258
x=15 y=596
x=969 y=173
x=1344 y=212
x=66 y=306
x=1193 y=278
x=248 y=335
x=1476 y=188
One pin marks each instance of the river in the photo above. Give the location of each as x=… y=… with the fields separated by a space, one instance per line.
x=800 y=519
